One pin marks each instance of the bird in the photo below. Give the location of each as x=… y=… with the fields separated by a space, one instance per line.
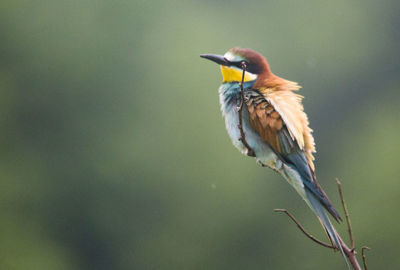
x=275 y=127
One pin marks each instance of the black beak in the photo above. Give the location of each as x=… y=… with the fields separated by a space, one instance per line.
x=219 y=59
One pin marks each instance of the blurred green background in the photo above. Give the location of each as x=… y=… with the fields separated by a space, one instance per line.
x=114 y=153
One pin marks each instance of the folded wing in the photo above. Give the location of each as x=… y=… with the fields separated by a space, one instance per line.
x=279 y=119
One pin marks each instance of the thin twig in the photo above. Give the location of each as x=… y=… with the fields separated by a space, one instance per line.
x=242 y=138
x=350 y=252
x=303 y=230
x=346 y=212
x=363 y=256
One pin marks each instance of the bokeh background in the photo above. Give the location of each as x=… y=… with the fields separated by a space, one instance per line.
x=114 y=153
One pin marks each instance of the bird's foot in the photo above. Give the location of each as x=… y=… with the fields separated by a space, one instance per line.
x=262 y=164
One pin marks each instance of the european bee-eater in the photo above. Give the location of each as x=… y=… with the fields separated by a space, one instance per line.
x=274 y=124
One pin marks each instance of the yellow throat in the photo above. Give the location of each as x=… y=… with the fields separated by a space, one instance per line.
x=232 y=74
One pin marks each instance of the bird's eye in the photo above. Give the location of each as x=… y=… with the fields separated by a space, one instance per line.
x=239 y=63
x=245 y=62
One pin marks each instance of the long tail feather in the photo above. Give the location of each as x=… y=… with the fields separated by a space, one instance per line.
x=319 y=210
x=294 y=178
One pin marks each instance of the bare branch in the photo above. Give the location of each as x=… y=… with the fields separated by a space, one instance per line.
x=242 y=138
x=303 y=230
x=350 y=253
x=346 y=212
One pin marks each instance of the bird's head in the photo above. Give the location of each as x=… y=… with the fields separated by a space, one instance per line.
x=231 y=65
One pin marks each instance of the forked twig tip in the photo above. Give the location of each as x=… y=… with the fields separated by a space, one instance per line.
x=338 y=182
x=363 y=256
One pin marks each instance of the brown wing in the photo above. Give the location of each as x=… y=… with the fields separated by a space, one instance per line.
x=288 y=105
x=264 y=119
